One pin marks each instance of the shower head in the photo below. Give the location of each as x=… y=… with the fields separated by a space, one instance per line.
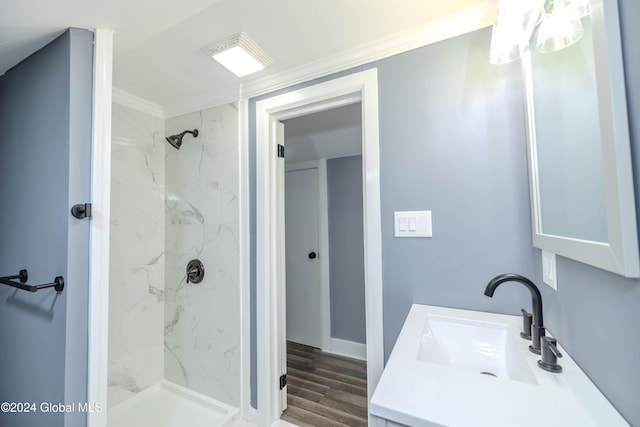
x=176 y=140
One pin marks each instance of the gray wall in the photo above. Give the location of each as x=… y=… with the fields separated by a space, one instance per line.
x=594 y=314
x=346 y=249
x=45 y=129
x=451 y=141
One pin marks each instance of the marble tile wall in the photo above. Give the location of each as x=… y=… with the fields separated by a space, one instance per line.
x=137 y=265
x=202 y=321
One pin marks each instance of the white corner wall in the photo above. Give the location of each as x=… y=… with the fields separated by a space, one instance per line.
x=137 y=271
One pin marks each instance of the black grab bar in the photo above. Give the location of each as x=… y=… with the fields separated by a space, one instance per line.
x=23 y=276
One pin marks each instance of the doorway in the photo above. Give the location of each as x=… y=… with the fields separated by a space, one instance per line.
x=325 y=285
x=325 y=295
x=270 y=265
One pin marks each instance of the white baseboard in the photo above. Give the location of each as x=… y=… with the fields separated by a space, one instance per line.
x=347 y=348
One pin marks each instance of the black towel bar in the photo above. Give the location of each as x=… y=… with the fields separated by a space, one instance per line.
x=23 y=276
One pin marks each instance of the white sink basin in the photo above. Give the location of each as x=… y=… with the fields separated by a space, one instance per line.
x=482 y=348
x=453 y=367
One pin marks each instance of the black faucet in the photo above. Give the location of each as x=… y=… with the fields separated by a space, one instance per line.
x=537 y=329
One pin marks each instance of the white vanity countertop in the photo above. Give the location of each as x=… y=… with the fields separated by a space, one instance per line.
x=419 y=393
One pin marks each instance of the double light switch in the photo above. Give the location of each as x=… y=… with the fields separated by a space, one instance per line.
x=413 y=224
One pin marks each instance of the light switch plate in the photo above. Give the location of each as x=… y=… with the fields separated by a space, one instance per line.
x=413 y=224
x=549 y=269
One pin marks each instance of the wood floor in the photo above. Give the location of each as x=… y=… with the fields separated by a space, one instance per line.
x=325 y=390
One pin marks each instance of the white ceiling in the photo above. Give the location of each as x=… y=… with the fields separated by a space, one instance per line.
x=27 y=25
x=324 y=135
x=159 y=44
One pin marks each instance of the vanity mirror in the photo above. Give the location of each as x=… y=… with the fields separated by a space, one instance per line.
x=581 y=184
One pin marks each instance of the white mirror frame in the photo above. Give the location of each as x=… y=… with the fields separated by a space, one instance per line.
x=620 y=254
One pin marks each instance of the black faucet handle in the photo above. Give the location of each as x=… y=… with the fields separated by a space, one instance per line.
x=550 y=355
x=527 y=320
x=553 y=346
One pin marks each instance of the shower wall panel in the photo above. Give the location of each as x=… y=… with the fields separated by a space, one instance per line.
x=202 y=321
x=136 y=285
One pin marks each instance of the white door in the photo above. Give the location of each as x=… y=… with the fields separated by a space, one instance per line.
x=277 y=129
x=303 y=267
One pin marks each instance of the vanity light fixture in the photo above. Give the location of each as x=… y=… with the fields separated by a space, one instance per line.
x=550 y=25
x=513 y=27
x=240 y=55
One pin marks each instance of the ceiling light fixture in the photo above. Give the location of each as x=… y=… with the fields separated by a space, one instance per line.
x=240 y=55
x=555 y=23
x=509 y=34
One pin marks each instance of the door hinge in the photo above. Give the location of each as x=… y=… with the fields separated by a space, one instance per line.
x=281 y=151
x=81 y=210
x=283 y=381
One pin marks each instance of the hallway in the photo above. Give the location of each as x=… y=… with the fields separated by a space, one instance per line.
x=325 y=389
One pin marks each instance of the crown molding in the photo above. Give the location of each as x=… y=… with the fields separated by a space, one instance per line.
x=139 y=104
x=225 y=96
x=470 y=19
x=443 y=29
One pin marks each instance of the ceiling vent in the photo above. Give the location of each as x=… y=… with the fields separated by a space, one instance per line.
x=240 y=55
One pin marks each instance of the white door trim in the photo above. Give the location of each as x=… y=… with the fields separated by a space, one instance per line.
x=99 y=229
x=312 y=99
x=323 y=245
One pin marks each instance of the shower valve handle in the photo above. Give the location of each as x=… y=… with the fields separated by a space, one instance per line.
x=195 y=271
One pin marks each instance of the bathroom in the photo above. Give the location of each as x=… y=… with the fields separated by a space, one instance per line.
x=452 y=139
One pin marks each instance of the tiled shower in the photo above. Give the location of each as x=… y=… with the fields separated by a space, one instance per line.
x=169 y=206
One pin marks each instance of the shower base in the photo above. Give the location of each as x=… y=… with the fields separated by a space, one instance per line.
x=169 y=405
